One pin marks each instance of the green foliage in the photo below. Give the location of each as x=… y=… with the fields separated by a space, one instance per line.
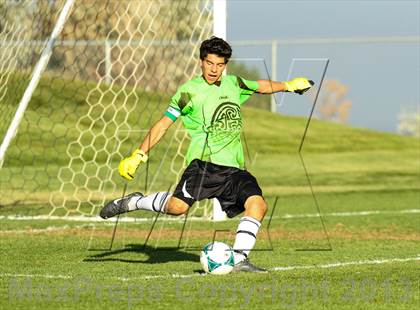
x=372 y=249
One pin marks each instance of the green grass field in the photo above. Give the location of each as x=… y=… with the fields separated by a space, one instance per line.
x=373 y=261
x=366 y=184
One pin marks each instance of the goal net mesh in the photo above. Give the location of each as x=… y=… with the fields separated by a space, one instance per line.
x=112 y=72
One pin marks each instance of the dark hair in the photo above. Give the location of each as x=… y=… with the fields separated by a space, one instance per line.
x=217 y=46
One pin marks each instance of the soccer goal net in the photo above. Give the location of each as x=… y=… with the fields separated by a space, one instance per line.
x=109 y=76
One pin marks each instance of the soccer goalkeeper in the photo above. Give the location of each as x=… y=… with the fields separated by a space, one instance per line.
x=210 y=109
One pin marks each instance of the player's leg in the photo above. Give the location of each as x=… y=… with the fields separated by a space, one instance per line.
x=136 y=201
x=176 y=206
x=162 y=202
x=255 y=207
x=246 y=233
x=245 y=195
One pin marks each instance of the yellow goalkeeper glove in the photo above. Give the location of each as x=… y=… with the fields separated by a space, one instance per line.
x=128 y=166
x=298 y=85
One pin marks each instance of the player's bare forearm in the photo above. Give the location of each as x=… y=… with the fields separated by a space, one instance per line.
x=269 y=87
x=156 y=133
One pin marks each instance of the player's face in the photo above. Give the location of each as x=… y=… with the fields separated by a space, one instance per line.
x=212 y=67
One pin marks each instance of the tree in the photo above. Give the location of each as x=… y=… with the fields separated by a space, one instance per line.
x=333 y=104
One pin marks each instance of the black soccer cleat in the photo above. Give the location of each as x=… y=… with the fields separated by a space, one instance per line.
x=246 y=266
x=118 y=206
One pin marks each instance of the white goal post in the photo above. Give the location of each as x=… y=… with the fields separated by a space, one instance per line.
x=219 y=30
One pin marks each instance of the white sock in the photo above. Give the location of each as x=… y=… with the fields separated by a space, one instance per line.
x=154 y=202
x=246 y=235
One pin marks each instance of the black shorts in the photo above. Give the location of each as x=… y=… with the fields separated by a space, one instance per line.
x=204 y=180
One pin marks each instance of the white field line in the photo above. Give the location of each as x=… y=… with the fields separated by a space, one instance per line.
x=43 y=230
x=44 y=276
x=356 y=213
x=343 y=264
x=284 y=268
x=111 y=222
x=82 y=218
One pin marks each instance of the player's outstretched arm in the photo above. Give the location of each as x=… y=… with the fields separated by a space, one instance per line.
x=297 y=85
x=156 y=133
x=128 y=166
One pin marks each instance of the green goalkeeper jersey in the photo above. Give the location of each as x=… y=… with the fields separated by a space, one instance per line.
x=211 y=114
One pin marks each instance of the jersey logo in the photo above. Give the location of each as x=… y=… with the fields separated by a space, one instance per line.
x=226 y=125
x=223 y=97
x=227 y=117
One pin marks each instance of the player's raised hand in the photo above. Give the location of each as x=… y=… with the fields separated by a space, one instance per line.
x=298 y=85
x=128 y=166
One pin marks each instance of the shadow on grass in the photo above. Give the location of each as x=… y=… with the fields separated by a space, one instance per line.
x=155 y=255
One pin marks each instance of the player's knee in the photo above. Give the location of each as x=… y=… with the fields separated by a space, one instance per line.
x=177 y=210
x=256 y=207
x=263 y=207
x=176 y=206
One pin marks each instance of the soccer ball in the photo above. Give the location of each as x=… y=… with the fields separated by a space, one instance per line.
x=217 y=258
